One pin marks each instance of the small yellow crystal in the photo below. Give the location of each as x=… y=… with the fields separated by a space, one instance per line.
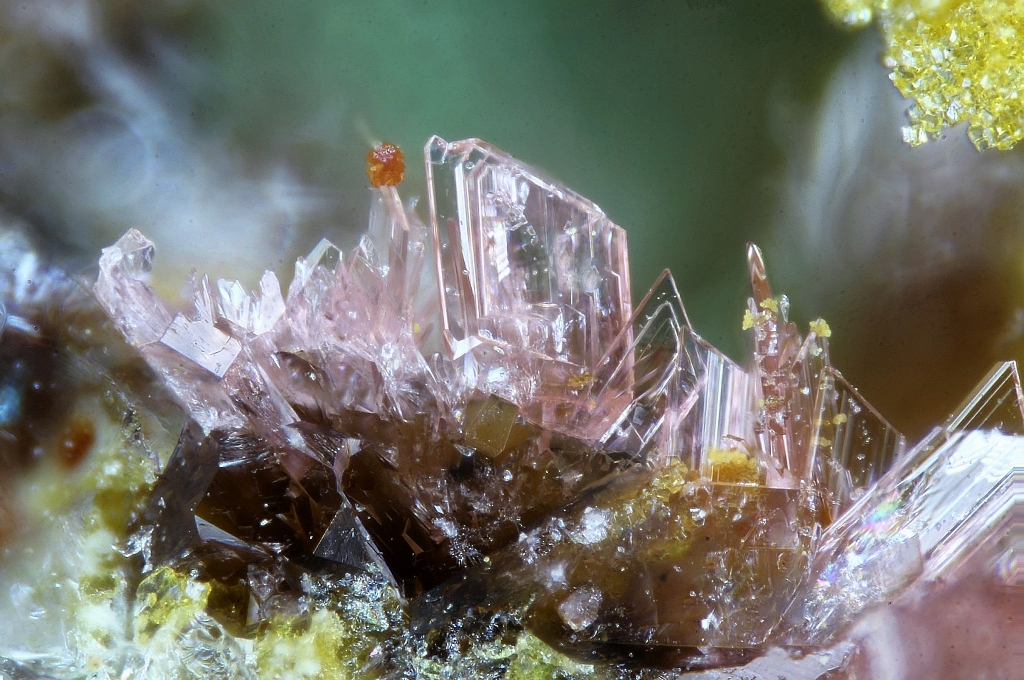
x=582 y=381
x=732 y=466
x=169 y=599
x=852 y=12
x=821 y=329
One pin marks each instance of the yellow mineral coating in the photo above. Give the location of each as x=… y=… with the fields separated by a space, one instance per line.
x=748 y=320
x=167 y=599
x=651 y=508
x=176 y=638
x=535 y=660
x=959 y=60
x=315 y=649
x=662 y=490
x=734 y=467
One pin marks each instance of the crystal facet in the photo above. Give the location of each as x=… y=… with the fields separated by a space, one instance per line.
x=529 y=272
x=956 y=490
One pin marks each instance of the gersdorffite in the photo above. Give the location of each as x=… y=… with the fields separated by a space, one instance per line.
x=473 y=408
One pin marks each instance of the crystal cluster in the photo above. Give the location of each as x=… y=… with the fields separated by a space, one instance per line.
x=525 y=456
x=958 y=60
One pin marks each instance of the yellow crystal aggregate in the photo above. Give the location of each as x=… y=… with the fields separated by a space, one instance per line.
x=959 y=60
x=736 y=467
x=820 y=328
x=167 y=600
x=317 y=649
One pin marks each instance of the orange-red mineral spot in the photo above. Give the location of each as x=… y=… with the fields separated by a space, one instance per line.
x=75 y=441
x=385 y=165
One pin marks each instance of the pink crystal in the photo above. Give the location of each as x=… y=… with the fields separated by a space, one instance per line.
x=534 y=278
x=123 y=290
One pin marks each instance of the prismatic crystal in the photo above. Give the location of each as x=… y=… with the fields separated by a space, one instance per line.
x=516 y=442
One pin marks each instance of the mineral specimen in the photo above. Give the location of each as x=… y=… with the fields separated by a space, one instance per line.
x=515 y=473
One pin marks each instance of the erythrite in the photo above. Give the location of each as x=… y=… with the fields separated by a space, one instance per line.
x=516 y=439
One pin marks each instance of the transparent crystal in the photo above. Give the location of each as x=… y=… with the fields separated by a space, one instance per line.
x=229 y=361
x=526 y=266
x=700 y=549
x=956 y=490
x=851 y=445
x=994 y=405
x=627 y=398
x=202 y=343
x=715 y=413
x=254 y=314
x=125 y=269
x=175 y=637
x=346 y=542
x=812 y=426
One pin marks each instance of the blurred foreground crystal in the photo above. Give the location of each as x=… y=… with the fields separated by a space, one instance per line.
x=520 y=449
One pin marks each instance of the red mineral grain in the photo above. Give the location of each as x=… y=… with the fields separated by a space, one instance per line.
x=385 y=165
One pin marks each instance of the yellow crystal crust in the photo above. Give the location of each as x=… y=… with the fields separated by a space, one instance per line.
x=959 y=60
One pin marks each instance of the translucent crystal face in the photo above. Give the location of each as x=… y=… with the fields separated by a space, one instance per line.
x=524 y=263
x=947 y=510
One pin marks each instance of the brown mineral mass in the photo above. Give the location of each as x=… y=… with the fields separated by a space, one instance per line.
x=76 y=440
x=385 y=165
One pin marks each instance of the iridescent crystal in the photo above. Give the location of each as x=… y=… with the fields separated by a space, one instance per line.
x=956 y=492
